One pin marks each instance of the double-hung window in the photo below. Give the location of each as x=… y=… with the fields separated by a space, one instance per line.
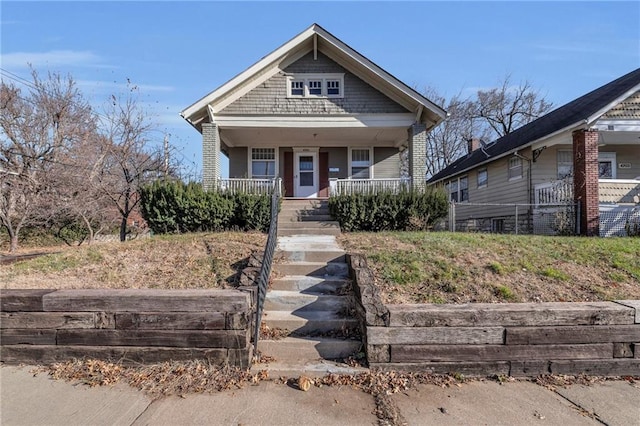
x=515 y=168
x=360 y=163
x=565 y=164
x=458 y=189
x=483 y=178
x=263 y=163
x=315 y=86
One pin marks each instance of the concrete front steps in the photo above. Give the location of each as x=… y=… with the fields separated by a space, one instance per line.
x=310 y=296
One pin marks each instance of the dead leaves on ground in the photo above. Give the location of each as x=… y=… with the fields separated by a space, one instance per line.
x=169 y=378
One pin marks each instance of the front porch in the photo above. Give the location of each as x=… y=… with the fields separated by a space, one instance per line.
x=610 y=192
x=336 y=186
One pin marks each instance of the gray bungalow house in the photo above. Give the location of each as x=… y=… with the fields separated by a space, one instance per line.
x=585 y=152
x=317 y=114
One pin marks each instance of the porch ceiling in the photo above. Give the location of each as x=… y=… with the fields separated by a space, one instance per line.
x=619 y=138
x=325 y=137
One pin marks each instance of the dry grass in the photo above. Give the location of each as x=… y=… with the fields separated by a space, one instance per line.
x=167 y=262
x=440 y=267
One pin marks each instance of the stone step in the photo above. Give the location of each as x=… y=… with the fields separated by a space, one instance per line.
x=305 y=202
x=318 y=269
x=299 y=217
x=308 y=284
x=308 y=242
x=305 y=349
x=311 y=255
x=309 y=224
x=309 y=209
x=307 y=231
x=310 y=322
x=314 y=369
x=293 y=301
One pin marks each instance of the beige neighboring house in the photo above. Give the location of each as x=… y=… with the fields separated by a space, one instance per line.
x=319 y=115
x=586 y=152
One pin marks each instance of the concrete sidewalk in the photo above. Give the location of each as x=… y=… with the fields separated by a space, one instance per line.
x=26 y=399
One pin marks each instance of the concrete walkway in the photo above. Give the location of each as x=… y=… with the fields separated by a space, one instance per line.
x=26 y=399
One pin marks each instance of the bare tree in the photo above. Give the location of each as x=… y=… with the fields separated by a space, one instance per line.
x=448 y=141
x=37 y=129
x=127 y=159
x=488 y=115
x=507 y=107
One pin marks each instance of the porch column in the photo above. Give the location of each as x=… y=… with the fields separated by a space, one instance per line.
x=210 y=155
x=585 y=180
x=418 y=155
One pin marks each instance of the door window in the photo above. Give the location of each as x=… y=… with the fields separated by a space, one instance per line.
x=306 y=170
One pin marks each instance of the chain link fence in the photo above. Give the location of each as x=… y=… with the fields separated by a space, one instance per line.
x=619 y=221
x=547 y=219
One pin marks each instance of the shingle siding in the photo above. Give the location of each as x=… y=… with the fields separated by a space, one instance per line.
x=270 y=97
x=627 y=109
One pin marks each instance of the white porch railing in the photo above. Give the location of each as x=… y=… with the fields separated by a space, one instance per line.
x=610 y=191
x=556 y=192
x=250 y=186
x=367 y=186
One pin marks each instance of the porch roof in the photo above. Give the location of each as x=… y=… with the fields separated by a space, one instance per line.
x=582 y=112
x=314 y=38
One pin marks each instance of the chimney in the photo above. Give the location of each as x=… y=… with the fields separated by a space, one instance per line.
x=473 y=144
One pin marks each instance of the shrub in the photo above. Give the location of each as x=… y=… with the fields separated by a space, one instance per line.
x=171 y=206
x=386 y=211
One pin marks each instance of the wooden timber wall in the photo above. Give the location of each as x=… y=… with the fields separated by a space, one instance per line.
x=128 y=326
x=517 y=339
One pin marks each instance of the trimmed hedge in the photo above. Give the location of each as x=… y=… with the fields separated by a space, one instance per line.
x=175 y=207
x=386 y=211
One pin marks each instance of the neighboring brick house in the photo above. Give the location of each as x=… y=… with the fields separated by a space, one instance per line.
x=587 y=152
x=319 y=115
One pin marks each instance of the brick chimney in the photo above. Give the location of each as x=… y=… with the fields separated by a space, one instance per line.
x=472 y=145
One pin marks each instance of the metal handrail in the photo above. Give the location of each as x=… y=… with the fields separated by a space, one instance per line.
x=267 y=259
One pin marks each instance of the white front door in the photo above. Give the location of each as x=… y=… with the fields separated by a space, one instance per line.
x=305 y=174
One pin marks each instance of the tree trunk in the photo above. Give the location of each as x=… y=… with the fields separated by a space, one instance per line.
x=13 y=246
x=123 y=229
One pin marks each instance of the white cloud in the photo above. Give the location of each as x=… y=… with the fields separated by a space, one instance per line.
x=52 y=58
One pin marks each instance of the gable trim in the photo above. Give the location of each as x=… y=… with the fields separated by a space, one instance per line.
x=289 y=52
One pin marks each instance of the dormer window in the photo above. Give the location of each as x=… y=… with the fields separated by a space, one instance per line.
x=315 y=86
x=296 y=87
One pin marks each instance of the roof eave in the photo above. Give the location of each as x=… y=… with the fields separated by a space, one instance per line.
x=438 y=113
x=575 y=126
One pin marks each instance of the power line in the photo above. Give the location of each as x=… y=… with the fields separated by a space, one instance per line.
x=12 y=76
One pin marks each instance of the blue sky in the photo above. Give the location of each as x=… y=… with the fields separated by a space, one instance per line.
x=177 y=52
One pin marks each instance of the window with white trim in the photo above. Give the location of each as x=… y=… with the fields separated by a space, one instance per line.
x=334 y=87
x=458 y=189
x=515 y=168
x=483 y=178
x=263 y=163
x=360 y=163
x=565 y=163
x=296 y=87
x=315 y=85
x=607 y=165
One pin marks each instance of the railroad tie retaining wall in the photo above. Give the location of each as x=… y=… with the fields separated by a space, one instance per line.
x=128 y=326
x=517 y=339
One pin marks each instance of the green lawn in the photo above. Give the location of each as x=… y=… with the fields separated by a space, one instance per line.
x=442 y=267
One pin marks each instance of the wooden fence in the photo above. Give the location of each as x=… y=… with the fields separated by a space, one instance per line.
x=128 y=326
x=517 y=339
